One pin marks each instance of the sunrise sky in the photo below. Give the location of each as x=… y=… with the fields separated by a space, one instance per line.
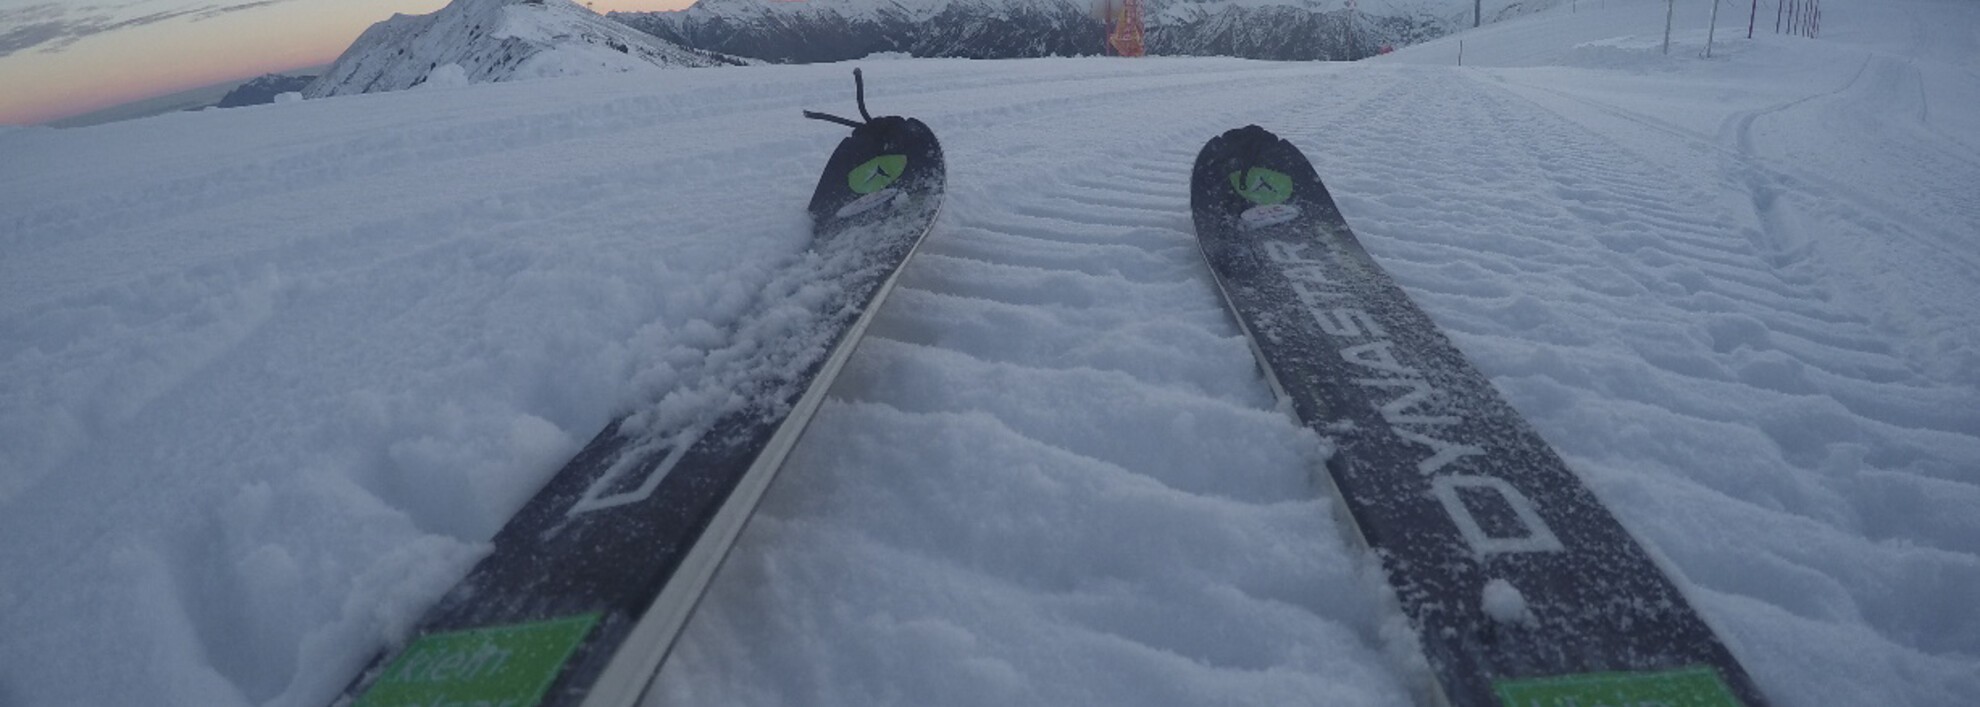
x=59 y=58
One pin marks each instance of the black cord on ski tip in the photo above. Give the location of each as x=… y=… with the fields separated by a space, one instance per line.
x=859 y=94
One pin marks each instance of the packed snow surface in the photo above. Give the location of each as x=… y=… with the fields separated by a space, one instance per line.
x=271 y=377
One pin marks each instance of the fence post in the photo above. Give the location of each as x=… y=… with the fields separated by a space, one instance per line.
x=1670 y=8
x=1712 y=31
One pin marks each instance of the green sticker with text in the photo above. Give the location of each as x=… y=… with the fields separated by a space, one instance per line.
x=1685 y=687
x=1262 y=186
x=496 y=666
x=875 y=174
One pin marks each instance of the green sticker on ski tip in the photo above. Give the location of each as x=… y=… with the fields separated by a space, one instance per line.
x=499 y=665
x=1685 y=687
x=1262 y=186
x=875 y=174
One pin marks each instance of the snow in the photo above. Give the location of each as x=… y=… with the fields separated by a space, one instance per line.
x=1506 y=604
x=271 y=377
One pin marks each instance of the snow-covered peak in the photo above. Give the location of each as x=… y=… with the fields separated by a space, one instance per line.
x=836 y=30
x=496 y=40
x=858 y=9
x=853 y=10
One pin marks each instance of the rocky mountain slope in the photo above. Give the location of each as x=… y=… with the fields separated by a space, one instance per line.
x=835 y=30
x=479 y=41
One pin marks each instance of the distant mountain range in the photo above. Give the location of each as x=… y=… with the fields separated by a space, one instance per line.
x=264 y=89
x=478 y=41
x=228 y=94
x=800 y=31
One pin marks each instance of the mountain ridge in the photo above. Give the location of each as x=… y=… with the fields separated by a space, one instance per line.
x=481 y=41
x=806 y=31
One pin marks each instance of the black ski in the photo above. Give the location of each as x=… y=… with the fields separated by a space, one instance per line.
x=591 y=582
x=1522 y=587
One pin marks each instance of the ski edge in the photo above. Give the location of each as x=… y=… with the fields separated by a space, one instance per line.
x=634 y=666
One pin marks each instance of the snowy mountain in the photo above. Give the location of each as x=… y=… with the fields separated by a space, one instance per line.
x=264 y=89
x=834 y=30
x=482 y=41
x=802 y=31
x=271 y=378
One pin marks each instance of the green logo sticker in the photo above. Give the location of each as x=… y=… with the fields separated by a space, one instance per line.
x=1685 y=687
x=510 y=666
x=1262 y=186
x=875 y=174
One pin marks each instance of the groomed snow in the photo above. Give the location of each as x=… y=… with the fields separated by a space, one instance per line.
x=271 y=377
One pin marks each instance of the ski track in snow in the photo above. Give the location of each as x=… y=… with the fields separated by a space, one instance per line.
x=270 y=385
x=1069 y=470
x=1634 y=317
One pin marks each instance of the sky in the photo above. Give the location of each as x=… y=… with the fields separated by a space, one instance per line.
x=60 y=58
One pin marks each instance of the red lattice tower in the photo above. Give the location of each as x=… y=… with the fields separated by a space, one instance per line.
x=1125 y=35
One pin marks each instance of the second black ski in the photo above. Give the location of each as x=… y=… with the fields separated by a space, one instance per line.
x=1523 y=589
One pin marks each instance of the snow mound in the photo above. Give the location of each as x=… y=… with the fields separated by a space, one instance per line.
x=497 y=40
x=1506 y=604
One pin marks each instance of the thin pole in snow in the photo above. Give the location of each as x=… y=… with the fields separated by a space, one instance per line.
x=1712 y=31
x=1750 y=16
x=1670 y=8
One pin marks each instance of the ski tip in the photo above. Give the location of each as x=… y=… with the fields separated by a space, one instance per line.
x=1253 y=175
x=1251 y=132
x=1254 y=146
x=1248 y=135
x=1250 y=140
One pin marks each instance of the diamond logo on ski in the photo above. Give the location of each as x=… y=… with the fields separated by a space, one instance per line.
x=875 y=174
x=510 y=665
x=1685 y=687
x=1262 y=186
